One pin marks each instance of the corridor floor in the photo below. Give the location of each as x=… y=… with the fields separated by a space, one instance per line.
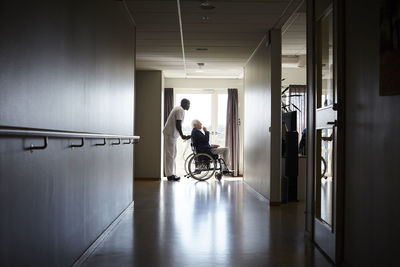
x=201 y=224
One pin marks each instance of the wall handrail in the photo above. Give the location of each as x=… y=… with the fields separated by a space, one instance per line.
x=46 y=133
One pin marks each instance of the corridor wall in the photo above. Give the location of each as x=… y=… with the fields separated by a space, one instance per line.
x=262 y=119
x=149 y=124
x=372 y=179
x=64 y=65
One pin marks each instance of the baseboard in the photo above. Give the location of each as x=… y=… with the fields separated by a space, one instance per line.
x=102 y=236
x=147 y=179
x=255 y=193
x=272 y=203
x=260 y=196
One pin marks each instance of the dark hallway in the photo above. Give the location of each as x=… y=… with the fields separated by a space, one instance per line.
x=206 y=224
x=300 y=98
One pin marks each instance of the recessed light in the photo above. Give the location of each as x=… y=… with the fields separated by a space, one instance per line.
x=205 y=18
x=206 y=5
x=201 y=65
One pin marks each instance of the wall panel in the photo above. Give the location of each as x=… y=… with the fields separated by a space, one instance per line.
x=372 y=231
x=262 y=119
x=148 y=124
x=65 y=65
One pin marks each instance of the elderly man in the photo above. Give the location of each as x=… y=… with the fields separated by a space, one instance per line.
x=201 y=143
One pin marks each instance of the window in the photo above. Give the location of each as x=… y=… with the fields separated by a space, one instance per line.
x=208 y=106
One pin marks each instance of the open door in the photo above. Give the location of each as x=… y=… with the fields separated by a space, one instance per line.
x=328 y=132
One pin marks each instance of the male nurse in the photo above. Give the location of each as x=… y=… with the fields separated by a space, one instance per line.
x=172 y=131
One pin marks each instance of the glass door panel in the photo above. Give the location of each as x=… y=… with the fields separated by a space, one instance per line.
x=325 y=183
x=326 y=131
x=325 y=121
x=325 y=63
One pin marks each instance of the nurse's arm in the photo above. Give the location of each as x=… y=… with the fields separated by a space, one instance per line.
x=179 y=128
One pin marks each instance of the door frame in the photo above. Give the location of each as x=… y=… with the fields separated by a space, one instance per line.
x=339 y=83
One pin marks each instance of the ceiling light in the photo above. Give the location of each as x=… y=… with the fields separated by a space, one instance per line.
x=205 y=18
x=206 y=5
x=201 y=65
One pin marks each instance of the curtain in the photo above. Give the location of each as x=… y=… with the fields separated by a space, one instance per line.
x=298 y=102
x=232 y=129
x=168 y=102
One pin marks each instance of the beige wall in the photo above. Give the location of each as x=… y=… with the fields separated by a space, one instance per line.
x=276 y=114
x=148 y=121
x=294 y=76
x=214 y=83
x=262 y=121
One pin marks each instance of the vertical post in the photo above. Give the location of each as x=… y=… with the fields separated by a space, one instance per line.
x=275 y=50
x=310 y=119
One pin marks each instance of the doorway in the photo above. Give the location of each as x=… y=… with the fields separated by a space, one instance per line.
x=210 y=107
x=326 y=117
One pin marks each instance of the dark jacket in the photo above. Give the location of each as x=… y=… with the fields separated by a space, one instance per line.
x=200 y=141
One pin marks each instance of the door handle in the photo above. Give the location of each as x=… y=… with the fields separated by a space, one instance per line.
x=334 y=123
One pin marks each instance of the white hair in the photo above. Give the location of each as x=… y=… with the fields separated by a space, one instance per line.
x=194 y=122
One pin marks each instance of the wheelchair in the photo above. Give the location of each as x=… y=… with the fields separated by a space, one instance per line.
x=202 y=166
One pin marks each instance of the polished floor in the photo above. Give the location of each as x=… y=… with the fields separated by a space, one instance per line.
x=202 y=224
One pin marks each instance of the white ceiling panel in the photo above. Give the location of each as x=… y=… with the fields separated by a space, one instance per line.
x=230 y=33
x=294 y=34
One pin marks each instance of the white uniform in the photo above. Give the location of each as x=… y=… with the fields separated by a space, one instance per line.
x=171 y=134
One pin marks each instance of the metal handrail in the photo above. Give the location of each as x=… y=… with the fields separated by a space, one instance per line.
x=46 y=133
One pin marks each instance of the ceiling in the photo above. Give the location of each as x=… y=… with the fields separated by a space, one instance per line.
x=294 y=35
x=230 y=32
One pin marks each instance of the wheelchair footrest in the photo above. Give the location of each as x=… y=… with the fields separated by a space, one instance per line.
x=227 y=172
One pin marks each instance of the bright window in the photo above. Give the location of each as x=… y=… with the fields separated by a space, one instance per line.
x=207 y=106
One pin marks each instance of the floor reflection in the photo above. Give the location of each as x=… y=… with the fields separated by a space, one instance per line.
x=210 y=223
x=200 y=215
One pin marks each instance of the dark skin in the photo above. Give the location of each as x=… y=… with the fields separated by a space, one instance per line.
x=185 y=106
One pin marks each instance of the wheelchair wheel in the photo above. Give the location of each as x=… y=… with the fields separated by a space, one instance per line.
x=202 y=166
x=187 y=163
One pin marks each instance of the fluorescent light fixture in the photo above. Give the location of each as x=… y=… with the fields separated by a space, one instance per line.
x=206 y=5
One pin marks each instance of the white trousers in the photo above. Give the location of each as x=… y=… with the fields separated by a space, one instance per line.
x=169 y=155
x=224 y=153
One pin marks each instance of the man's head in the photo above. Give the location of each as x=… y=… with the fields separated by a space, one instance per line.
x=185 y=104
x=197 y=124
